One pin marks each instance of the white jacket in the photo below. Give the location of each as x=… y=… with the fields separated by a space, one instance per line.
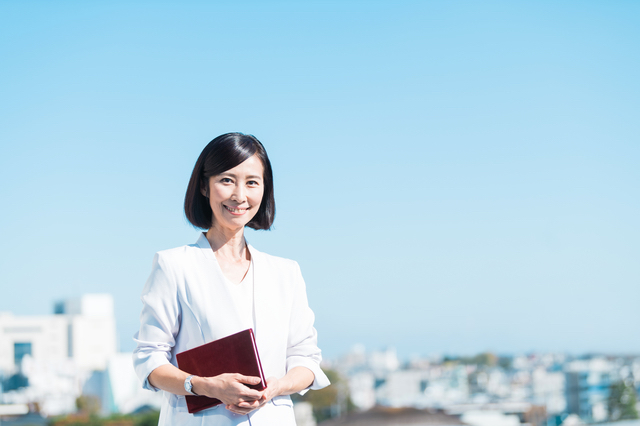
x=186 y=304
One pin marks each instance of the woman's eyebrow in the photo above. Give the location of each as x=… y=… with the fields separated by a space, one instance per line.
x=233 y=175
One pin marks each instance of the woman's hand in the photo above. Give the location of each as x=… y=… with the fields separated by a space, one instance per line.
x=273 y=389
x=297 y=379
x=246 y=407
x=231 y=389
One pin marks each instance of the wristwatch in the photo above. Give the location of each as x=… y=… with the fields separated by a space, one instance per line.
x=188 y=386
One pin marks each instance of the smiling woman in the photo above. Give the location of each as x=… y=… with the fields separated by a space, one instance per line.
x=235 y=195
x=221 y=285
x=217 y=159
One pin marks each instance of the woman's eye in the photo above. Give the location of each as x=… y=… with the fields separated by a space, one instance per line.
x=253 y=183
x=225 y=180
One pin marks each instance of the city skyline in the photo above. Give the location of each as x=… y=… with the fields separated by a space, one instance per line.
x=452 y=178
x=51 y=361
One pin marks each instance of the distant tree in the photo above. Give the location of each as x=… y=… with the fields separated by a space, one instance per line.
x=76 y=420
x=450 y=359
x=88 y=404
x=622 y=401
x=147 y=419
x=486 y=359
x=141 y=419
x=505 y=362
x=331 y=401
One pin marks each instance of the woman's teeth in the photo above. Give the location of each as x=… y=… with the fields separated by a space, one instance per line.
x=235 y=210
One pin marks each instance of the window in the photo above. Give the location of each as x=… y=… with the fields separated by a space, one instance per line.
x=20 y=349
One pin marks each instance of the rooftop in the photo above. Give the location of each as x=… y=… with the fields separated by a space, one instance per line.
x=388 y=416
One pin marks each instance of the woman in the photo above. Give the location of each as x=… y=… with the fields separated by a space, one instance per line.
x=221 y=285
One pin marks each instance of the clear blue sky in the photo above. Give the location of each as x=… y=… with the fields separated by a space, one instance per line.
x=452 y=177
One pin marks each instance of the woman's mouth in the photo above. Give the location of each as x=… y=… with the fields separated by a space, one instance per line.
x=236 y=210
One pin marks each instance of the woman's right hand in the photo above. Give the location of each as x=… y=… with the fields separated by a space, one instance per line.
x=231 y=389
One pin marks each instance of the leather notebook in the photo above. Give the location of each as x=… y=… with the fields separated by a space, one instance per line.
x=236 y=353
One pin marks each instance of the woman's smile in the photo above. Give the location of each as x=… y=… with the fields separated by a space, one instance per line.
x=236 y=210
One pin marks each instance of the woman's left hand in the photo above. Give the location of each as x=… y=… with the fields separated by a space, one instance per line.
x=272 y=390
x=297 y=379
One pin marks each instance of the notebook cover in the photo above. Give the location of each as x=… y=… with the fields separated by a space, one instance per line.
x=236 y=353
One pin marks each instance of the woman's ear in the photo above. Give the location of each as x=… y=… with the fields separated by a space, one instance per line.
x=204 y=188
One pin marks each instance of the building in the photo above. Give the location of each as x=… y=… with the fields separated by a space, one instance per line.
x=82 y=330
x=49 y=361
x=548 y=389
x=587 y=388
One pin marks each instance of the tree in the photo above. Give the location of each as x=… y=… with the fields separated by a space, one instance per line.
x=622 y=401
x=88 y=404
x=147 y=419
x=332 y=401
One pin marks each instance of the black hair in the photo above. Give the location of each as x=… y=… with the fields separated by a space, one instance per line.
x=221 y=154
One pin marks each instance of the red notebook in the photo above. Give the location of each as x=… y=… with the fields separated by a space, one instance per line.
x=237 y=353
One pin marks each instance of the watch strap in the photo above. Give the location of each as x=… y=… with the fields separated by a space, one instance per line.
x=188 y=386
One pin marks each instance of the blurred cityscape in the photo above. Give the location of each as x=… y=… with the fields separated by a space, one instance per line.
x=64 y=368
x=486 y=390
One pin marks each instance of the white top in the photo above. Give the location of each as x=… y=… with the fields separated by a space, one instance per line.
x=187 y=302
x=242 y=298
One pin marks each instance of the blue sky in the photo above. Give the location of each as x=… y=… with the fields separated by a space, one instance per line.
x=452 y=177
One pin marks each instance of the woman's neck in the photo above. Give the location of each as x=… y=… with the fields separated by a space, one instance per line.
x=228 y=243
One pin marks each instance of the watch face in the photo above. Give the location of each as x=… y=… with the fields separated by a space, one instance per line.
x=187 y=384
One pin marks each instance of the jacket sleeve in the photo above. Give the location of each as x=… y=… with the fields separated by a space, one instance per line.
x=302 y=348
x=159 y=322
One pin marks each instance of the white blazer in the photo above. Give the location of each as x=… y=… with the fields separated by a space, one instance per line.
x=186 y=304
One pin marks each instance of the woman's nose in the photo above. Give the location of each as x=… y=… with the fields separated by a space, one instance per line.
x=238 y=194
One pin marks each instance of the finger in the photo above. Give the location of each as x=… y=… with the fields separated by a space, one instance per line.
x=234 y=409
x=250 y=394
x=248 y=404
x=239 y=410
x=249 y=380
x=248 y=401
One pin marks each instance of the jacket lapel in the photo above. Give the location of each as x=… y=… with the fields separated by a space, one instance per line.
x=209 y=286
x=262 y=276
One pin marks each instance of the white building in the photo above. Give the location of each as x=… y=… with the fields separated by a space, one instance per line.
x=44 y=338
x=548 y=388
x=83 y=330
x=489 y=418
x=403 y=388
x=446 y=386
x=362 y=390
x=383 y=362
x=47 y=358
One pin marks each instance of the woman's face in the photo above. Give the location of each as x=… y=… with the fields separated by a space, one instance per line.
x=235 y=195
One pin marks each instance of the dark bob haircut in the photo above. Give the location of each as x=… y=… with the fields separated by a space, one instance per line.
x=221 y=154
